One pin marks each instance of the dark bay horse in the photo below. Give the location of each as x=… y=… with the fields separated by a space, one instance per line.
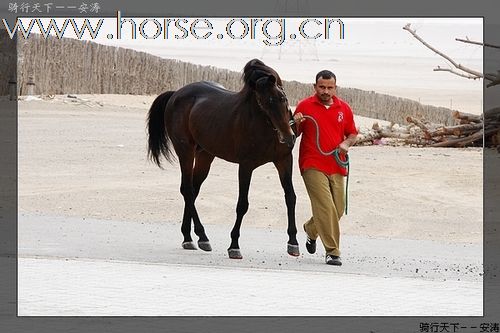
x=251 y=127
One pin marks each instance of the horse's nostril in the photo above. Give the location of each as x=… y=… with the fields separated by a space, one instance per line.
x=291 y=143
x=281 y=138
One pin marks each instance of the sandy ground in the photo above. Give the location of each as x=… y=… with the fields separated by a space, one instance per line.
x=88 y=160
x=88 y=193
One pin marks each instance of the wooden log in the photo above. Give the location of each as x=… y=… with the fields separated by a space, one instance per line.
x=398 y=129
x=389 y=134
x=492 y=121
x=368 y=137
x=463 y=141
x=418 y=122
x=456 y=130
x=493 y=113
x=458 y=142
x=494 y=138
x=465 y=121
x=424 y=127
x=419 y=141
x=467 y=117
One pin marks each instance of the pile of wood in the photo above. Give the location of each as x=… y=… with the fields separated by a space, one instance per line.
x=468 y=131
x=492 y=128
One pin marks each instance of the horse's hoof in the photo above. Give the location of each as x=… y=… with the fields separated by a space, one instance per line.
x=293 y=250
x=234 y=254
x=188 y=246
x=205 y=246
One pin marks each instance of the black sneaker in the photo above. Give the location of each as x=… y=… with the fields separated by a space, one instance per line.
x=333 y=260
x=310 y=243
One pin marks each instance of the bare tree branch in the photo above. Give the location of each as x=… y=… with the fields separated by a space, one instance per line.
x=494 y=78
x=475 y=74
x=493 y=83
x=451 y=70
x=467 y=40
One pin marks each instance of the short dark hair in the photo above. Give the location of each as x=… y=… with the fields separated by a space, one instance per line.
x=325 y=74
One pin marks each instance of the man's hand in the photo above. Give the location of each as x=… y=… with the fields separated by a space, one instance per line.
x=343 y=147
x=347 y=143
x=298 y=118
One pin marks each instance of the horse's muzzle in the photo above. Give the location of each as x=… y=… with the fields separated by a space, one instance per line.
x=290 y=141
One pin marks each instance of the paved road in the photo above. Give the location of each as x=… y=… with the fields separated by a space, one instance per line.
x=83 y=267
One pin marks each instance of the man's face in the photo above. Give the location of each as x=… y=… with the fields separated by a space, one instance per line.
x=325 y=89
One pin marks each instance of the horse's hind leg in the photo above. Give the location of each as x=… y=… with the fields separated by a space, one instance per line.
x=203 y=160
x=186 y=160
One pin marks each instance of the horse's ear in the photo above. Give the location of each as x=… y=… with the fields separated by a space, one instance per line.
x=255 y=76
x=265 y=82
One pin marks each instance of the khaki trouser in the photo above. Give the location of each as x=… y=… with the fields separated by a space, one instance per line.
x=327 y=196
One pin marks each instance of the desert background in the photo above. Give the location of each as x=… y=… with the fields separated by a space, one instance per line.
x=85 y=185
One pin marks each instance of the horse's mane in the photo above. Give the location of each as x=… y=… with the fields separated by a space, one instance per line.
x=255 y=69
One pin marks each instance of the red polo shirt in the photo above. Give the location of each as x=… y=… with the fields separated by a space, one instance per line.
x=335 y=124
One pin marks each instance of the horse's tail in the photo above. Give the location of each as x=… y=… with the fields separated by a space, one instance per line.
x=158 y=141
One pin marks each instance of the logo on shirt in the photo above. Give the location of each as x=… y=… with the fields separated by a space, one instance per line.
x=340 y=117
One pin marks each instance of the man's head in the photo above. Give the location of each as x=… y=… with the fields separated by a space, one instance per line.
x=325 y=86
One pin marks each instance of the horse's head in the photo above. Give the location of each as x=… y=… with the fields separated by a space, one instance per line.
x=271 y=99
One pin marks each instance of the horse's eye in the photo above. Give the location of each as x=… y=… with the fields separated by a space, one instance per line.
x=273 y=100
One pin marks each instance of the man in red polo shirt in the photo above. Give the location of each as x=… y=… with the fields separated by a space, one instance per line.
x=322 y=175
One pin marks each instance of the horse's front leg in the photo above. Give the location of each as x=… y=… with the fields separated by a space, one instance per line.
x=244 y=177
x=284 y=167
